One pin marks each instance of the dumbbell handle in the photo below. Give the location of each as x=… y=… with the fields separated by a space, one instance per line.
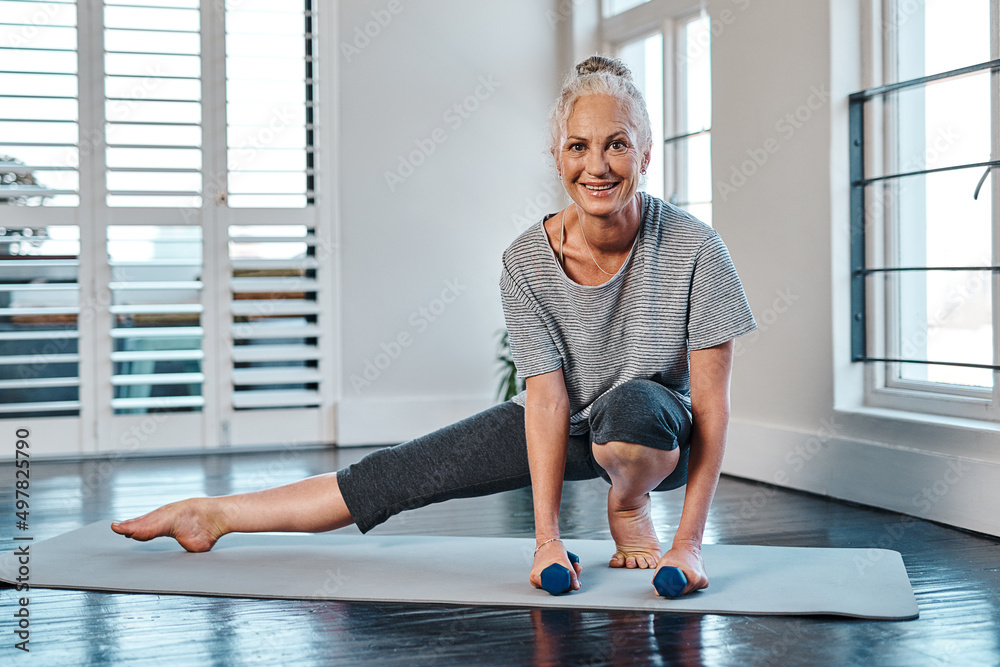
x=670 y=582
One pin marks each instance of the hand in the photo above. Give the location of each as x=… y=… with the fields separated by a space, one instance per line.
x=554 y=552
x=686 y=556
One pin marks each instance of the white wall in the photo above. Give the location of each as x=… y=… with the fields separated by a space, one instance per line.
x=797 y=414
x=448 y=221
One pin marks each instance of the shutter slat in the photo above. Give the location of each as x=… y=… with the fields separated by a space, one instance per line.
x=37 y=383
x=275 y=264
x=271 y=307
x=157 y=332
x=52 y=334
x=157 y=378
x=253 y=331
x=276 y=284
x=40 y=358
x=249 y=353
x=275 y=399
x=157 y=403
x=156 y=285
x=42 y=406
x=251 y=376
x=158 y=355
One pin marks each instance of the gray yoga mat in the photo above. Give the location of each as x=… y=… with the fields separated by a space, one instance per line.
x=757 y=580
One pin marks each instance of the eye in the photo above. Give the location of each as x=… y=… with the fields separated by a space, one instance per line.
x=618 y=145
x=577 y=147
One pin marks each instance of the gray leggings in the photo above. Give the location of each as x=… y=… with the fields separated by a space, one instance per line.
x=487 y=453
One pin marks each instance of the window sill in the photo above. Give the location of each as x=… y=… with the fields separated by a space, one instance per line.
x=919 y=431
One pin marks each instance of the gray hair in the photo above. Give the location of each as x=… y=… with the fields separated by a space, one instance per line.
x=600 y=75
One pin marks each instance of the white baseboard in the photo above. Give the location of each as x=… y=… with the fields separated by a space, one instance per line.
x=954 y=490
x=381 y=421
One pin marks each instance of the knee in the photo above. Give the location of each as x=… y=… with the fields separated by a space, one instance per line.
x=639 y=407
x=621 y=455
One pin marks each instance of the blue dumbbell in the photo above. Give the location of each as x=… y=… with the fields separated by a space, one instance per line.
x=670 y=582
x=556 y=579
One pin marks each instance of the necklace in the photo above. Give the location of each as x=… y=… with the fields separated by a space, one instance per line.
x=580 y=222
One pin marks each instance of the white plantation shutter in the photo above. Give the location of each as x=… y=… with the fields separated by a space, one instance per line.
x=275 y=311
x=280 y=267
x=153 y=111
x=39 y=111
x=269 y=104
x=39 y=311
x=156 y=313
x=176 y=289
x=40 y=236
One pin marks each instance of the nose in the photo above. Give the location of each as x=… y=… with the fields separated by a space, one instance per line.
x=597 y=163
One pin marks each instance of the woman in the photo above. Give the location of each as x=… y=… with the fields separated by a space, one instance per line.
x=604 y=301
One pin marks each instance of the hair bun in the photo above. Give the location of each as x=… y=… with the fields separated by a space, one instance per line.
x=595 y=64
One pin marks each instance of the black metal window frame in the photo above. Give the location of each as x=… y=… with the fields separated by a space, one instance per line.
x=859 y=182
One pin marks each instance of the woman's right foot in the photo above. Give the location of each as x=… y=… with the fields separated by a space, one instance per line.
x=195 y=523
x=631 y=523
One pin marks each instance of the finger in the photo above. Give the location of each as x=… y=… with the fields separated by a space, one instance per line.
x=574 y=575
x=695 y=584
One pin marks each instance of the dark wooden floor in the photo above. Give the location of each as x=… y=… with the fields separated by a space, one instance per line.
x=954 y=575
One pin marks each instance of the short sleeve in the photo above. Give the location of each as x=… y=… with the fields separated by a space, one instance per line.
x=531 y=344
x=717 y=306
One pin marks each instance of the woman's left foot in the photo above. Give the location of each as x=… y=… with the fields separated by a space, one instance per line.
x=631 y=524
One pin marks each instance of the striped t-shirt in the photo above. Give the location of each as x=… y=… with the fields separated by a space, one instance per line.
x=677 y=290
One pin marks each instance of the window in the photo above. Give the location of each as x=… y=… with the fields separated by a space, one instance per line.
x=158 y=223
x=614 y=7
x=671 y=63
x=925 y=210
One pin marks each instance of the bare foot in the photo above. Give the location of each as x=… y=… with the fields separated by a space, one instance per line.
x=631 y=526
x=194 y=523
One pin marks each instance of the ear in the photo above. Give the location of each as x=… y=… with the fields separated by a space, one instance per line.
x=557 y=160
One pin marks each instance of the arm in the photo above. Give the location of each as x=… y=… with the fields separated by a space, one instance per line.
x=546 y=425
x=710 y=374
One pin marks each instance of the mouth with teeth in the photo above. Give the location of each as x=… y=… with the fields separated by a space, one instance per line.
x=599 y=187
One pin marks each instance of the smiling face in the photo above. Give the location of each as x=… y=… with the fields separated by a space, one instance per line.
x=599 y=157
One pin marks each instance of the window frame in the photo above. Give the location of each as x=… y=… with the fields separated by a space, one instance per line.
x=879 y=321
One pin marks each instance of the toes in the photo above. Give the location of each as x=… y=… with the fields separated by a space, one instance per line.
x=641 y=561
